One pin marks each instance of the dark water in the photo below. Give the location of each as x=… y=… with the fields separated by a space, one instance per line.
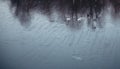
x=45 y=45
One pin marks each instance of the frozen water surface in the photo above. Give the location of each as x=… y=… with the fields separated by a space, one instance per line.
x=46 y=45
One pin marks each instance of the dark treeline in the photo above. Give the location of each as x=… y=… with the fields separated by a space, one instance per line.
x=71 y=7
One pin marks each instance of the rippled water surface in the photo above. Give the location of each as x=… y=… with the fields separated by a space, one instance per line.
x=46 y=45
